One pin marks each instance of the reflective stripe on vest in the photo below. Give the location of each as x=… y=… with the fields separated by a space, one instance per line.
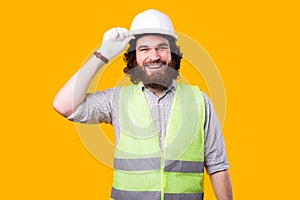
x=141 y=170
x=155 y=164
x=152 y=195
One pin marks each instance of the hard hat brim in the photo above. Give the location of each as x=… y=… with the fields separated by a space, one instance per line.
x=154 y=31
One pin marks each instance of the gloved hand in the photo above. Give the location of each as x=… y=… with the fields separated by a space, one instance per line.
x=114 y=41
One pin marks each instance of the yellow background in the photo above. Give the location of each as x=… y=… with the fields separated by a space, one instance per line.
x=255 y=45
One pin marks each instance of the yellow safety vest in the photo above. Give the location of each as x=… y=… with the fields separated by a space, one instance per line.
x=141 y=170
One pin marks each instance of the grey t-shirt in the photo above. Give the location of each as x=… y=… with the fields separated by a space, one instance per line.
x=103 y=106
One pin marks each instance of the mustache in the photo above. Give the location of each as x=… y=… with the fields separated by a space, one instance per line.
x=155 y=62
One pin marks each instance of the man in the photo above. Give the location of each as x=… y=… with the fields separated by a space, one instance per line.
x=166 y=132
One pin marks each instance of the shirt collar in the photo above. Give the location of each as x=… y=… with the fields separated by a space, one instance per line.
x=171 y=86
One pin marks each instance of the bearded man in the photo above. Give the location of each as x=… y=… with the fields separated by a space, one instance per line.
x=166 y=132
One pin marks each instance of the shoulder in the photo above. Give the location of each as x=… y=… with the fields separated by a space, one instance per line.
x=206 y=98
x=107 y=92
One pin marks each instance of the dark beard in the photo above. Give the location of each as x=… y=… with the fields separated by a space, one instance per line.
x=157 y=80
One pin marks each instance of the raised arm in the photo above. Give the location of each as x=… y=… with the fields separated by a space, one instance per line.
x=74 y=91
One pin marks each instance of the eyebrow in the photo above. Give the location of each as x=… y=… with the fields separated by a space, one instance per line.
x=159 y=45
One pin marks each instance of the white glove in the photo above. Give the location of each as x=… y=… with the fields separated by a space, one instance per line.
x=114 y=41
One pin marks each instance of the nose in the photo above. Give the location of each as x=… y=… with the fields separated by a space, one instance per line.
x=153 y=55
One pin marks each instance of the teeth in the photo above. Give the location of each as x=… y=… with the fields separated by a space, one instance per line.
x=154 y=66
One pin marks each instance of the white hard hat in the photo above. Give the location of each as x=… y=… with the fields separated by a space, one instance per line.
x=152 y=21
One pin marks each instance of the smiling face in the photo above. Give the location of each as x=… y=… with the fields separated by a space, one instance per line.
x=151 y=50
x=153 y=59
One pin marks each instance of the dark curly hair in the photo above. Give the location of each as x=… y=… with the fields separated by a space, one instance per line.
x=130 y=55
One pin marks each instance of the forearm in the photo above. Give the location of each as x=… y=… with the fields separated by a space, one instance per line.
x=222 y=185
x=74 y=91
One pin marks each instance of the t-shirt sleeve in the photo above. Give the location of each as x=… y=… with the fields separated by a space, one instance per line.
x=96 y=108
x=214 y=147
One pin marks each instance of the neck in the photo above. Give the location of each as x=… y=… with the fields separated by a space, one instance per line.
x=155 y=88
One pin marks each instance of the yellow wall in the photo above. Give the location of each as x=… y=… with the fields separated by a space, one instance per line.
x=254 y=44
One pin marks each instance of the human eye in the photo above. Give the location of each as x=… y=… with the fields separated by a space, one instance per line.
x=143 y=49
x=163 y=48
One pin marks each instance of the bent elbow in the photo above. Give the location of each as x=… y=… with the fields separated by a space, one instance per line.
x=61 y=109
